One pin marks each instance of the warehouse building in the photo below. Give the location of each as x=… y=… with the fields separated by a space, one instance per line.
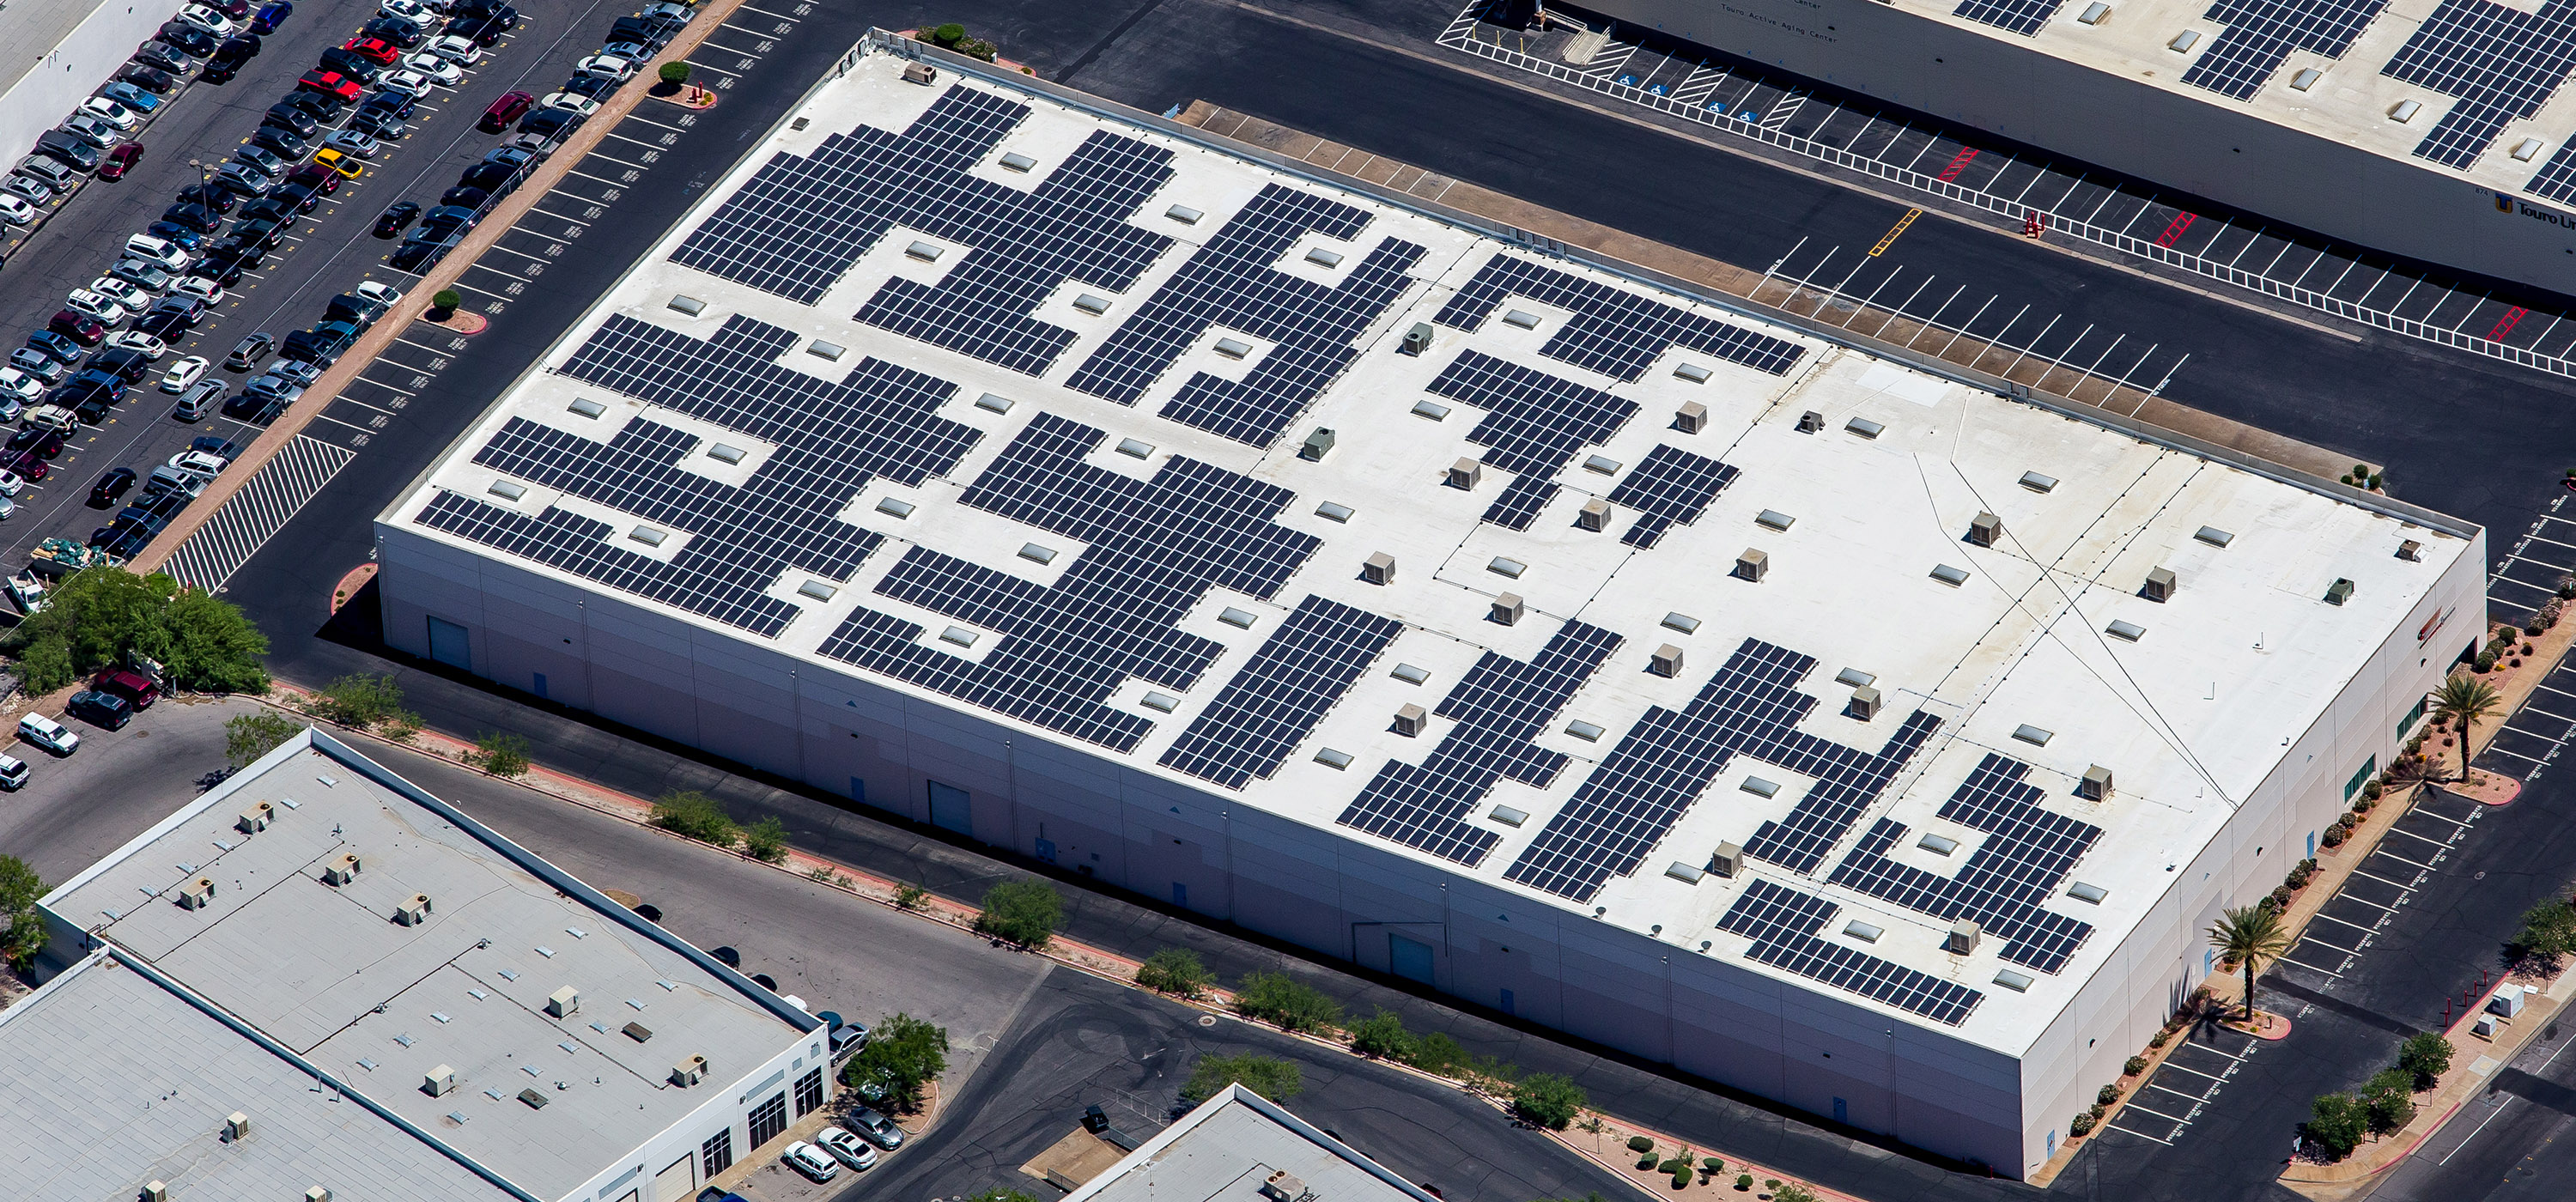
x=1526 y=626
x=2440 y=132
x=1238 y=1146
x=317 y=981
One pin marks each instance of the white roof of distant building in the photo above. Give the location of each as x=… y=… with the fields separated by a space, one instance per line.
x=1229 y=1147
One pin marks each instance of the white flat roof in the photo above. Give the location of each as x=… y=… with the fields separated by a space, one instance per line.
x=1860 y=520
x=2176 y=45
x=328 y=972
x=1240 y=1147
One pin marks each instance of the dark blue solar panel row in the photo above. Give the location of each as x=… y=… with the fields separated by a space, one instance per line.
x=1614 y=332
x=830 y=439
x=1059 y=651
x=2501 y=63
x=2262 y=33
x=2556 y=179
x=1499 y=706
x=2023 y=17
x=2005 y=883
x=797 y=226
x=1232 y=283
x=1534 y=422
x=1279 y=695
x=1623 y=811
x=1671 y=487
x=1520 y=502
x=1783 y=922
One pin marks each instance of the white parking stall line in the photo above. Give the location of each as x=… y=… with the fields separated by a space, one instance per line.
x=2401 y=859
x=512 y=276
x=718 y=70
x=2140 y=1134
x=655 y=124
x=766 y=13
x=494 y=295
x=556 y=216
x=2193 y=1071
x=521 y=253
x=2382 y=880
x=2313 y=968
x=418 y=347
x=2196 y=1099
x=2354 y=925
x=2365 y=901
x=2135 y=1105
x=620 y=162
x=712 y=44
x=638 y=141
x=610 y=182
x=345 y=398
x=2412 y=835
x=325 y=417
x=381 y=384
x=2515 y=754
x=2529 y=708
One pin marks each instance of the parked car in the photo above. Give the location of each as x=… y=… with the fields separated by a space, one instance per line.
x=119 y=160
x=16 y=210
x=330 y=83
x=340 y=163
x=510 y=107
x=106 y=711
x=158 y=252
x=200 y=17
x=38 y=365
x=441 y=71
x=266 y=162
x=410 y=10
x=144 y=344
x=352 y=142
x=605 y=66
x=570 y=102
x=270 y=16
x=195 y=217
x=249 y=351
x=142 y=102
x=16 y=385
x=90 y=129
x=185 y=239
x=14 y=772
x=183 y=374
x=46 y=733
x=112 y=485
x=137 y=689
x=64 y=148
x=402 y=32
x=199 y=401
x=150 y=79
x=201 y=289
x=358 y=68
x=286 y=144
x=77 y=326
x=551 y=124
x=241 y=179
x=846 y=1148
x=874 y=1127
x=414 y=255
x=26 y=188
x=187 y=39
x=373 y=49
x=816 y=1164
x=64 y=350
x=164 y=56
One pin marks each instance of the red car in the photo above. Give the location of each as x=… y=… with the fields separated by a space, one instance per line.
x=136 y=688
x=334 y=84
x=120 y=159
x=78 y=327
x=315 y=176
x=376 y=49
x=25 y=465
x=510 y=107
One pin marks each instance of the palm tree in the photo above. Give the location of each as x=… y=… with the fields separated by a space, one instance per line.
x=2463 y=700
x=2252 y=936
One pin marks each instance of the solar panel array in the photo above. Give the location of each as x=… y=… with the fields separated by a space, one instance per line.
x=1783 y=922
x=1619 y=815
x=1671 y=486
x=1499 y=706
x=1533 y=425
x=1232 y=283
x=1277 y=697
x=1520 y=501
x=1156 y=547
x=1613 y=331
x=2004 y=883
x=2023 y=17
x=2261 y=34
x=829 y=440
x=2556 y=179
x=800 y=223
x=2501 y=63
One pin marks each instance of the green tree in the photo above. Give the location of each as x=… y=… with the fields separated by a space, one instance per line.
x=2463 y=701
x=1287 y=1001
x=948 y=35
x=910 y=896
x=1791 y=1191
x=100 y=616
x=2253 y=937
x=502 y=754
x=2426 y=1056
x=24 y=933
x=694 y=814
x=2336 y=1123
x=361 y=700
x=1027 y=913
x=1176 y=971
x=210 y=645
x=675 y=74
x=2390 y=1097
x=1552 y=1101
x=1382 y=1036
x=903 y=1056
x=766 y=840
x=250 y=736
x=2548 y=931
x=445 y=301
x=1269 y=1076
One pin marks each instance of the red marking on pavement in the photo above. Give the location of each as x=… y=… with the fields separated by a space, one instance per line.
x=2505 y=326
x=2173 y=231
x=1958 y=163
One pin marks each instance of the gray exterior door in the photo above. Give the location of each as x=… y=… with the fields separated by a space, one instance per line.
x=951 y=808
x=450 y=645
x=1409 y=958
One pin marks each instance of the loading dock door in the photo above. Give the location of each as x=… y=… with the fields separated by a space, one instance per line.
x=951 y=809
x=678 y=1183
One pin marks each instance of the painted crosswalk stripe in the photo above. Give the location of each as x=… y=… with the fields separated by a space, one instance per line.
x=253 y=515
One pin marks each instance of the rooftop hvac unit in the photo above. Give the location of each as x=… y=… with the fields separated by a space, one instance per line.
x=920 y=73
x=1410 y=720
x=319 y=1193
x=414 y=910
x=2096 y=784
x=1811 y=422
x=2411 y=551
x=689 y=1072
x=254 y=817
x=2160 y=585
x=1864 y=703
x=1753 y=565
x=1595 y=515
x=343 y=869
x=1281 y=1187
x=2339 y=592
x=156 y=1191
x=564 y=1002
x=1507 y=609
x=439 y=1081
x=236 y=1126
x=1465 y=474
x=1691 y=418
x=1985 y=529
x=197 y=894
x=1728 y=860
x=1667 y=661
x=1418 y=339
x=1379 y=569
x=1963 y=938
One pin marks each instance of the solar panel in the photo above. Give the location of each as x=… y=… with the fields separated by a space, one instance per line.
x=2003 y=885
x=1619 y=815
x=1783 y=922
x=797 y=226
x=1670 y=486
x=2501 y=63
x=1534 y=424
x=1155 y=548
x=2556 y=179
x=2012 y=16
x=1498 y=707
x=1613 y=331
x=1520 y=502
x=1230 y=283
x=830 y=440
x=1279 y=695
x=2262 y=33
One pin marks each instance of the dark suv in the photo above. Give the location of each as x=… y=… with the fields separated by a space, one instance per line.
x=106 y=711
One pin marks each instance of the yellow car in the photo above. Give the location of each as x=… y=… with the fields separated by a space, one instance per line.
x=346 y=165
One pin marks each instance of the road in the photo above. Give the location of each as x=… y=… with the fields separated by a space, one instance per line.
x=331 y=251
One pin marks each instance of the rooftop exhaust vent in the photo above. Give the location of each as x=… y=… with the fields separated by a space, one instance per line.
x=1691 y=417
x=1595 y=515
x=564 y=1002
x=439 y=1081
x=1811 y=422
x=1410 y=720
x=689 y=1072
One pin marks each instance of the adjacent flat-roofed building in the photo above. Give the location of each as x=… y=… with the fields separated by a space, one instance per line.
x=1240 y=1147
x=2442 y=132
x=60 y=52
x=1525 y=626
x=318 y=975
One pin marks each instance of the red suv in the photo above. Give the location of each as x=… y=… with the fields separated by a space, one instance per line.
x=334 y=84
x=78 y=327
x=136 y=688
x=377 y=49
x=510 y=107
x=120 y=159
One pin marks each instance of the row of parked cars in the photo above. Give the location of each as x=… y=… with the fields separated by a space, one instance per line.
x=112 y=699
